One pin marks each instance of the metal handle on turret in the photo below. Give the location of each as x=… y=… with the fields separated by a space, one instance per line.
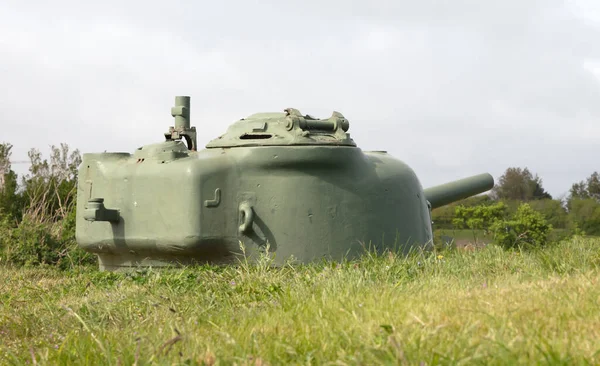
x=246 y=217
x=96 y=211
x=333 y=123
x=323 y=125
x=459 y=189
x=316 y=125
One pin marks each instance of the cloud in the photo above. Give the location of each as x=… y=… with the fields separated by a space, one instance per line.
x=452 y=88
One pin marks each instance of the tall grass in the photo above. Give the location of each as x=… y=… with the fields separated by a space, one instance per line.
x=486 y=306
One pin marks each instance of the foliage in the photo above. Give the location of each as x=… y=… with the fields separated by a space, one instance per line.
x=588 y=189
x=526 y=228
x=553 y=211
x=10 y=202
x=479 y=217
x=38 y=220
x=443 y=216
x=519 y=184
x=34 y=243
x=51 y=185
x=585 y=214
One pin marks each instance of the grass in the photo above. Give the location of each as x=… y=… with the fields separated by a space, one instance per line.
x=486 y=306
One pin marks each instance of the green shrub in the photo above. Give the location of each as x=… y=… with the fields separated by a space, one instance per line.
x=478 y=218
x=29 y=244
x=527 y=228
x=34 y=243
x=37 y=219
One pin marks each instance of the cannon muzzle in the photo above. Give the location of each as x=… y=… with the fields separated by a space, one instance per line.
x=459 y=189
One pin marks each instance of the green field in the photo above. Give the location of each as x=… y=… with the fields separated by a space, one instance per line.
x=485 y=306
x=465 y=237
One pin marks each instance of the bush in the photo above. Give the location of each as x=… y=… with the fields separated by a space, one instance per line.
x=37 y=219
x=34 y=243
x=527 y=228
x=479 y=217
x=30 y=244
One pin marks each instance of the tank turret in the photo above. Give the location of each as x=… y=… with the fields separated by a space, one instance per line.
x=296 y=183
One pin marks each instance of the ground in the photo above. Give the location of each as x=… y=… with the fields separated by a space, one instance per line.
x=487 y=306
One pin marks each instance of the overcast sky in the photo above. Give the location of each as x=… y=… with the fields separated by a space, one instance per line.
x=453 y=88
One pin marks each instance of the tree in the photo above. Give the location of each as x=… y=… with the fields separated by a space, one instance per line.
x=519 y=184
x=479 y=217
x=554 y=212
x=5 y=154
x=10 y=200
x=585 y=215
x=539 y=193
x=51 y=185
x=588 y=189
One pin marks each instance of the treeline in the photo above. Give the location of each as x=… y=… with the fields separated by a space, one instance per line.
x=37 y=210
x=518 y=189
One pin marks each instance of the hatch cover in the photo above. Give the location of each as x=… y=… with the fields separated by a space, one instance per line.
x=285 y=128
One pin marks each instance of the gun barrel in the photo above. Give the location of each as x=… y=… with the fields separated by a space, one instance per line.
x=459 y=189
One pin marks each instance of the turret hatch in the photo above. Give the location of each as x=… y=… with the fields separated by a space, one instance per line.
x=287 y=128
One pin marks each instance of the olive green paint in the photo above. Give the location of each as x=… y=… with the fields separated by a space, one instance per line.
x=454 y=191
x=296 y=183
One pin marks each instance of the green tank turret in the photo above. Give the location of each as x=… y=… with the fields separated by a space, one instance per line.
x=290 y=181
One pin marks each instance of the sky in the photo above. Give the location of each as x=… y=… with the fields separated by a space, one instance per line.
x=452 y=88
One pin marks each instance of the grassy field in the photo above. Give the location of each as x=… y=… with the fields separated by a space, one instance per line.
x=463 y=237
x=485 y=306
